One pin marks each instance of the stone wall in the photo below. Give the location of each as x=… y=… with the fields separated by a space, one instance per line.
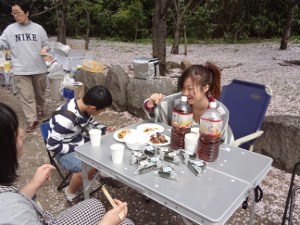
x=281 y=139
x=128 y=93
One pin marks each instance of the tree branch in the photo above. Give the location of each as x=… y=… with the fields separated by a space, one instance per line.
x=40 y=13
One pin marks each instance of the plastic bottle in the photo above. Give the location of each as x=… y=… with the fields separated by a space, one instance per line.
x=182 y=120
x=210 y=132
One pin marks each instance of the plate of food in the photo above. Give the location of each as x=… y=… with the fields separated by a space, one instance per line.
x=150 y=128
x=159 y=139
x=119 y=135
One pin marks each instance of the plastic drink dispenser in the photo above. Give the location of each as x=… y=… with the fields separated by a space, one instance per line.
x=182 y=120
x=210 y=133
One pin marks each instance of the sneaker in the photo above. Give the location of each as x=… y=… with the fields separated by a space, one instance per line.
x=69 y=196
x=111 y=182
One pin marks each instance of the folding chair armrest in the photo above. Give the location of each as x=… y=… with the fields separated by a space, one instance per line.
x=247 y=138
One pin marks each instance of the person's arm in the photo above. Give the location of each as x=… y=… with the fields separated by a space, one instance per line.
x=16 y=209
x=45 y=42
x=42 y=174
x=3 y=41
x=116 y=215
x=98 y=125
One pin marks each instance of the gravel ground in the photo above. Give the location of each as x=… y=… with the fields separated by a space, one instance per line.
x=261 y=63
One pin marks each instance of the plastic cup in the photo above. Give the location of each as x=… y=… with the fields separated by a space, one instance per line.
x=190 y=142
x=117 y=153
x=95 y=136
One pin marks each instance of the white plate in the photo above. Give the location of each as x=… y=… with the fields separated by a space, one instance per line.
x=150 y=128
x=162 y=144
x=119 y=136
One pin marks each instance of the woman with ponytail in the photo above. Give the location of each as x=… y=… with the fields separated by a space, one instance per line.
x=202 y=85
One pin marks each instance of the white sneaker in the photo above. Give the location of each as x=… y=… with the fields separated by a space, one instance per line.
x=70 y=197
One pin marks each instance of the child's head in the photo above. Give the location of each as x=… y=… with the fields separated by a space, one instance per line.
x=98 y=97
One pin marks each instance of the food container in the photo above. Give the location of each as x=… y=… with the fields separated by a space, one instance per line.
x=137 y=140
x=6 y=66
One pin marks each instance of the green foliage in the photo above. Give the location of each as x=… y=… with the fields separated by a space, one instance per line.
x=231 y=21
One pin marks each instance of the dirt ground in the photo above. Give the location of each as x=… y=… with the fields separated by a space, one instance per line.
x=268 y=212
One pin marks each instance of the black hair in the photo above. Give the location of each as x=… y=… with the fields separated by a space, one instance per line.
x=24 y=5
x=202 y=75
x=8 y=145
x=98 y=96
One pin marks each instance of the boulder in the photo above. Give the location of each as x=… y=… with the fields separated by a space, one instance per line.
x=281 y=141
x=90 y=79
x=116 y=82
x=185 y=64
x=171 y=65
x=138 y=90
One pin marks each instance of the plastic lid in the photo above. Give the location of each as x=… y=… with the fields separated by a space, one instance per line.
x=213 y=105
x=183 y=98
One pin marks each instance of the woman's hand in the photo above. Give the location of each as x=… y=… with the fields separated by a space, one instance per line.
x=42 y=174
x=115 y=216
x=155 y=98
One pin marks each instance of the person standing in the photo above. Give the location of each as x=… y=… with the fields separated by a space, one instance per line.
x=27 y=42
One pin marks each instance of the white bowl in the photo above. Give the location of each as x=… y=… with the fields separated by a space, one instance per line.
x=137 y=140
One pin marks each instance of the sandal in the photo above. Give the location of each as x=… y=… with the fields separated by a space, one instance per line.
x=31 y=126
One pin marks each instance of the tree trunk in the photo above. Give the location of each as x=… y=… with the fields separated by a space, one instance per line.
x=175 y=46
x=180 y=10
x=87 y=31
x=289 y=19
x=159 y=33
x=185 y=40
x=62 y=36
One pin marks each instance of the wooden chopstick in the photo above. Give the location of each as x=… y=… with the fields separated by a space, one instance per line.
x=107 y=195
x=109 y=198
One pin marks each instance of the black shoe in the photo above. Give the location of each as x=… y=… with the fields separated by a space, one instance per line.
x=111 y=182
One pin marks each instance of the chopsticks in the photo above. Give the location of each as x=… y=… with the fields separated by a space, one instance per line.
x=109 y=198
x=111 y=201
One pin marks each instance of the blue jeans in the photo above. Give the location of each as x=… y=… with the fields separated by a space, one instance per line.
x=69 y=162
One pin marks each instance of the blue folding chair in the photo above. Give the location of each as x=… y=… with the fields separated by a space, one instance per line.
x=44 y=127
x=247 y=103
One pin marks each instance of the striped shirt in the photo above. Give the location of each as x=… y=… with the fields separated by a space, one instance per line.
x=65 y=133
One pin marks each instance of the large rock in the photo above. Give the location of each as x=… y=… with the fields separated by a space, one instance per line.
x=139 y=90
x=281 y=141
x=116 y=82
x=90 y=79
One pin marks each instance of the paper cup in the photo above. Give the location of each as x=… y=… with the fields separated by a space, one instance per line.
x=190 y=142
x=95 y=136
x=117 y=153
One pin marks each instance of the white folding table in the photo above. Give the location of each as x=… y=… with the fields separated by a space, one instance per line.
x=210 y=198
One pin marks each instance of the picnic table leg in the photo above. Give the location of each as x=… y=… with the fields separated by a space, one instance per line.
x=252 y=207
x=86 y=182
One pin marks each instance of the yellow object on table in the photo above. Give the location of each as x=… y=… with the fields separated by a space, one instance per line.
x=6 y=66
x=93 y=66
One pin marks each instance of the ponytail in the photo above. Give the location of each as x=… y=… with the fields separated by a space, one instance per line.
x=215 y=84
